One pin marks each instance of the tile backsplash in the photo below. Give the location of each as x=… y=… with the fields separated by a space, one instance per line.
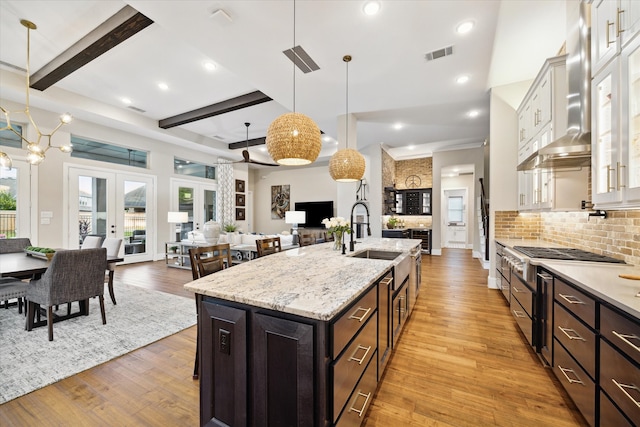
x=617 y=236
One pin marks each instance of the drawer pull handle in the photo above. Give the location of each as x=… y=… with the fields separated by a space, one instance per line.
x=519 y=314
x=571 y=334
x=364 y=406
x=516 y=290
x=361 y=318
x=571 y=381
x=623 y=388
x=364 y=356
x=571 y=299
x=626 y=338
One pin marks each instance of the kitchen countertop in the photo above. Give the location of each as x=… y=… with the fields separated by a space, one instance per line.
x=313 y=281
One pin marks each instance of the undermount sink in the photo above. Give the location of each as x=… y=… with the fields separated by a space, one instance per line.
x=375 y=254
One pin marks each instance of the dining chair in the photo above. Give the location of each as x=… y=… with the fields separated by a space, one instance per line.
x=306 y=239
x=112 y=245
x=15 y=244
x=328 y=237
x=11 y=288
x=268 y=246
x=91 y=242
x=72 y=275
x=207 y=260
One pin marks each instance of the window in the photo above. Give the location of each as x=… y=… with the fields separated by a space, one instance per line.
x=456 y=209
x=8 y=138
x=102 y=152
x=187 y=167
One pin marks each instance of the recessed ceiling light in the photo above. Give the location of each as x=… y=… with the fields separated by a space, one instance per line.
x=326 y=138
x=464 y=27
x=163 y=86
x=371 y=7
x=473 y=113
x=263 y=148
x=209 y=66
x=126 y=101
x=462 y=79
x=411 y=147
x=398 y=126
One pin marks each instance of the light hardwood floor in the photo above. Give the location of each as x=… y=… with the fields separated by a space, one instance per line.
x=460 y=362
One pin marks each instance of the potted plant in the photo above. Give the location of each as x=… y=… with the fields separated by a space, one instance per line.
x=391 y=223
x=173 y=249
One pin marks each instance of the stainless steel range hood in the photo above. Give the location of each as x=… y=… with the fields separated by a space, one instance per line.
x=572 y=150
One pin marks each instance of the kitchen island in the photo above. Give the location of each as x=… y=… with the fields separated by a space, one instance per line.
x=301 y=337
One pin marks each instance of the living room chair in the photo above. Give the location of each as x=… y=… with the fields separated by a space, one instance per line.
x=73 y=275
x=306 y=239
x=268 y=246
x=207 y=260
x=112 y=245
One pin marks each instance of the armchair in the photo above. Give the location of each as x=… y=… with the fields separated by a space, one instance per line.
x=73 y=275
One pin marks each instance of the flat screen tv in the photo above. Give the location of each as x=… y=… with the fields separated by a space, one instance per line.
x=315 y=213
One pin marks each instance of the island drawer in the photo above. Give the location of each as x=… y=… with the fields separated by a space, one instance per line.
x=348 y=369
x=523 y=294
x=347 y=325
x=620 y=378
x=522 y=318
x=576 y=381
x=360 y=399
x=620 y=331
x=578 y=339
x=610 y=415
x=577 y=302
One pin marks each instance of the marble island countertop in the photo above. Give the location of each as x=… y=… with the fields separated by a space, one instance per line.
x=313 y=281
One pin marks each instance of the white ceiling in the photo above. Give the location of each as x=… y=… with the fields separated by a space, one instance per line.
x=389 y=79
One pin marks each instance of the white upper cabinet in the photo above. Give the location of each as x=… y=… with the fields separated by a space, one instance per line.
x=614 y=24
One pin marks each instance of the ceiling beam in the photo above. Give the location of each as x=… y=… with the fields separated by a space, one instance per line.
x=251 y=143
x=124 y=24
x=226 y=106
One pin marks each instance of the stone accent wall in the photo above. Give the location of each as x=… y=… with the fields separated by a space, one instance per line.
x=388 y=170
x=617 y=236
x=421 y=167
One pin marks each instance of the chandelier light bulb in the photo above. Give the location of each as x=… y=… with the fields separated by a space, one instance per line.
x=5 y=160
x=66 y=118
x=34 y=148
x=66 y=148
x=35 y=158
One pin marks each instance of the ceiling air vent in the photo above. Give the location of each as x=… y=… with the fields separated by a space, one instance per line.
x=139 y=110
x=439 y=53
x=302 y=59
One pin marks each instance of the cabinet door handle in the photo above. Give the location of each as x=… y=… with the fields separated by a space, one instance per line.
x=361 y=318
x=364 y=356
x=618 y=176
x=545 y=276
x=571 y=299
x=519 y=314
x=609 y=25
x=571 y=334
x=619 y=29
x=624 y=387
x=626 y=338
x=609 y=186
x=364 y=405
x=571 y=380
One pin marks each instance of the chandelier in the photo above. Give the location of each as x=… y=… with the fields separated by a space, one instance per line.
x=347 y=164
x=293 y=139
x=36 y=151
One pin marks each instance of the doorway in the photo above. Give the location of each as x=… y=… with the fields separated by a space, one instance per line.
x=455 y=218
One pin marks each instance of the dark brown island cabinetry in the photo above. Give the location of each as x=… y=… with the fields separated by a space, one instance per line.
x=262 y=367
x=594 y=352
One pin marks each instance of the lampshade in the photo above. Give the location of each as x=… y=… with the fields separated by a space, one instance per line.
x=295 y=217
x=293 y=139
x=347 y=165
x=177 y=217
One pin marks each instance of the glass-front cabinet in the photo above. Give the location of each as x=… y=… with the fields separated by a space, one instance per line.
x=631 y=138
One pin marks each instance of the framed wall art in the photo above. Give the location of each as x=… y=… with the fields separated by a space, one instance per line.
x=240 y=199
x=240 y=214
x=239 y=186
x=280 y=201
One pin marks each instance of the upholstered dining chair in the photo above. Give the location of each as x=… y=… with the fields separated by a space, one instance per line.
x=11 y=288
x=91 y=242
x=16 y=244
x=306 y=239
x=268 y=246
x=72 y=275
x=207 y=260
x=112 y=245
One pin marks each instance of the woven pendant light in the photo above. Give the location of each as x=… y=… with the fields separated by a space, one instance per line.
x=347 y=164
x=293 y=139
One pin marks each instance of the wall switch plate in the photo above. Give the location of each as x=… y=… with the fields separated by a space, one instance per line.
x=224 y=341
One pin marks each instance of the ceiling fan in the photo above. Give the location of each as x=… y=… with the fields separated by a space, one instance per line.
x=245 y=153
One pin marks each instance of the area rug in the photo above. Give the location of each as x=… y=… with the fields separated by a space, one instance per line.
x=28 y=361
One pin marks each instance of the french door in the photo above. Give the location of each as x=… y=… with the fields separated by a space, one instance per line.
x=195 y=198
x=112 y=204
x=15 y=201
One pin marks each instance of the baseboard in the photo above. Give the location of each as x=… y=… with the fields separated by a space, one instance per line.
x=485 y=263
x=491 y=283
x=437 y=252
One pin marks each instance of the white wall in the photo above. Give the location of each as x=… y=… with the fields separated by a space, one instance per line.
x=307 y=184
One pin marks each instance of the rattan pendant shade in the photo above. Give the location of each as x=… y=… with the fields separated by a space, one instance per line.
x=293 y=139
x=347 y=165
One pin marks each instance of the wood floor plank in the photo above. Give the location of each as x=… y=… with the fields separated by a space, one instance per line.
x=461 y=361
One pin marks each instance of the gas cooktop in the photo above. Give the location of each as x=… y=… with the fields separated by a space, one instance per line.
x=569 y=254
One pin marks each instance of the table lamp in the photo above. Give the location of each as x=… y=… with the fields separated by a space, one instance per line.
x=178 y=218
x=295 y=218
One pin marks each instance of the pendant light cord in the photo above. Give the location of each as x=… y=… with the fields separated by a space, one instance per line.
x=347 y=103
x=294 y=56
